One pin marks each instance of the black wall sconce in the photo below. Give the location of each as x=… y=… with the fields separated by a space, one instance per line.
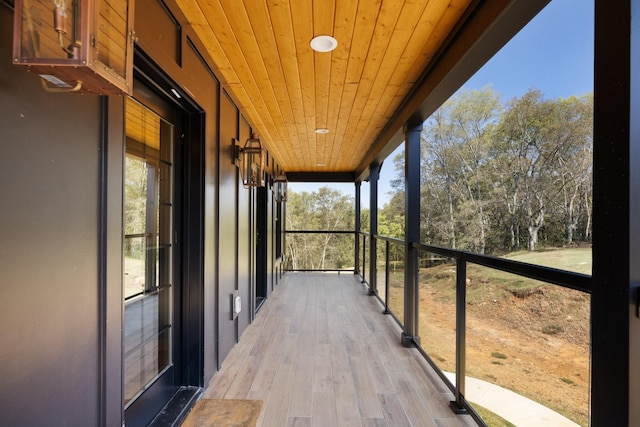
x=252 y=164
x=281 y=187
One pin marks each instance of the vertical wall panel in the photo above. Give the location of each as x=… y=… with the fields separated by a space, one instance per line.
x=634 y=231
x=244 y=239
x=228 y=222
x=112 y=271
x=49 y=180
x=208 y=99
x=270 y=241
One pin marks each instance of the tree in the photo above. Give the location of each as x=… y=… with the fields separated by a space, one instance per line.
x=324 y=210
x=495 y=178
x=572 y=133
x=521 y=165
x=456 y=142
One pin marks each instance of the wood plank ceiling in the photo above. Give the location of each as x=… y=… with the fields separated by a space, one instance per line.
x=286 y=90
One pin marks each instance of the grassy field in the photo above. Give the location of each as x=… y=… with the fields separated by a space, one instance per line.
x=574 y=259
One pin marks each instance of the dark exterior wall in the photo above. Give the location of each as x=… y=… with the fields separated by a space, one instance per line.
x=271 y=280
x=244 y=244
x=49 y=294
x=110 y=258
x=228 y=249
x=208 y=98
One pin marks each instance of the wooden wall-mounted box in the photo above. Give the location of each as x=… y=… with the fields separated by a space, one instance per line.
x=83 y=46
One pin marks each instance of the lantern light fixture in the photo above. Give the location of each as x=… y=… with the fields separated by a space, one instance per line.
x=76 y=46
x=253 y=163
x=281 y=187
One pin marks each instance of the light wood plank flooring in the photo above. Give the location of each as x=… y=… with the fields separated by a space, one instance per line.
x=321 y=353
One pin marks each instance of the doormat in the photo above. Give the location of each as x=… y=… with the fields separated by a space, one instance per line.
x=224 y=413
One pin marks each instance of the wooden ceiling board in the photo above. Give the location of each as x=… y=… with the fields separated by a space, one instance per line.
x=302 y=19
x=338 y=91
x=392 y=75
x=366 y=19
x=435 y=32
x=253 y=69
x=282 y=27
x=405 y=75
x=274 y=86
x=323 y=24
x=389 y=41
x=286 y=90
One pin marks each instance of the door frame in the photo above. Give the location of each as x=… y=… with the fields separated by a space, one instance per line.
x=262 y=237
x=187 y=380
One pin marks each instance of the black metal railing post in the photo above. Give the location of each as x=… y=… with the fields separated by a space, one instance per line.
x=386 y=278
x=412 y=132
x=357 y=221
x=461 y=335
x=364 y=258
x=374 y=176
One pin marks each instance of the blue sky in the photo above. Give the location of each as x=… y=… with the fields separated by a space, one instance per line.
x=553 y=53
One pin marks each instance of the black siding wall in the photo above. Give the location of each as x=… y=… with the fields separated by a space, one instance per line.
x=228 y=249
x=245 y=244
x=49 y=269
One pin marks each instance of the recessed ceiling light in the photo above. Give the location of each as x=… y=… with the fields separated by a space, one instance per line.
x=175 y=93
x=323 y=43
x=320 y=164
x=322 y=130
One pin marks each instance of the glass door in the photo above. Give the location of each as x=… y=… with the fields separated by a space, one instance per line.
x=149 y=267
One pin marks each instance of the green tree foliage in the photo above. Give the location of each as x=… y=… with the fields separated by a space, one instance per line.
x=135 y=202
x=497 y=178
x=324 y=210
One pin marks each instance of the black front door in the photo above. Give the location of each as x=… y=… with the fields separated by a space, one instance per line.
x=261 y=246
x=152 y=252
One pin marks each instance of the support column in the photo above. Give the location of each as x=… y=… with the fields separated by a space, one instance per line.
x=412 y=132
x=615 y=136
x=633 y=310
x=374 y=176
x=358 y=228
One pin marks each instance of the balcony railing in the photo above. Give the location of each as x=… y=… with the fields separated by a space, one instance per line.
x=320 y=250
x=486 y=320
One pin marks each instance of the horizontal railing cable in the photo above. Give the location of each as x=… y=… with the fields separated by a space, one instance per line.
x=567 y=279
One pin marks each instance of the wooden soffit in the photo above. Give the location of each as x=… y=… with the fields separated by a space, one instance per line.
x=378 y=75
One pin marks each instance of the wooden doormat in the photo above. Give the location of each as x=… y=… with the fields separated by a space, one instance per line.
x=224 y=413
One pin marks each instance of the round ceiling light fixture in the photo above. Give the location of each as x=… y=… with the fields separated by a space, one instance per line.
x=323 y=43
x=322 y=130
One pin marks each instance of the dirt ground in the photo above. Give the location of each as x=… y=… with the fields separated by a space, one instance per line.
x=534 y=342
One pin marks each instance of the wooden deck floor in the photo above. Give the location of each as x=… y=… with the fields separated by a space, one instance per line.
x=321 y=353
